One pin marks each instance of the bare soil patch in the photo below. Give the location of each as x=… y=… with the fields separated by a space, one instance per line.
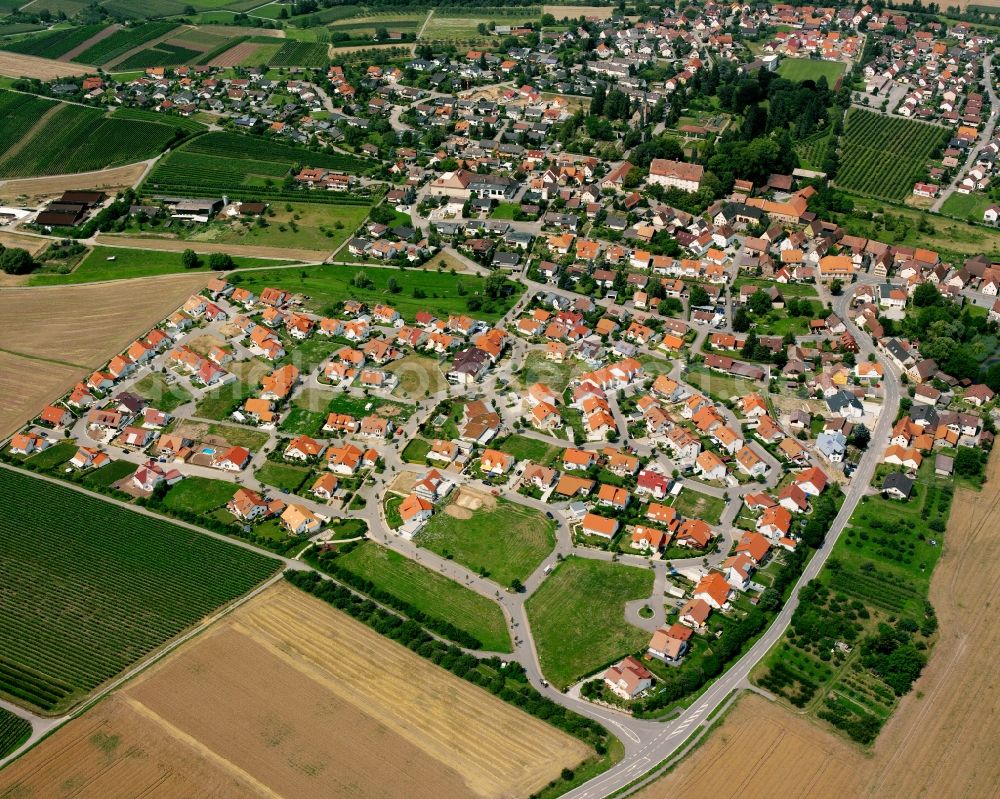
x=467 y=501
x=16 y=65
x=26 y=385
x=33 y=190
x=100 y=35
x=203 y=344
x=404 y=482
x=33 y=244
x=941 y=741
x=289 y=698
x=235 y=55
x=87 y=324
x=179 y=245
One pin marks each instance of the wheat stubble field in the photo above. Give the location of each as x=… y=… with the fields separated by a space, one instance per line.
x=290 y=698
x=941 y=742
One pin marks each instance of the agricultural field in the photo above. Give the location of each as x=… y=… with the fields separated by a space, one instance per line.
x=129 y=263
x=137 y=582
x=300 y=54
x=813 y=149
x=55 y=138
x=13 y=731
x=429 y=592
x=884 y=156
x=121 y=41
x=297 y=713
x=577 y=617
x=22 y=398
x=800 y=69
x=163 y=54
x=246 y=167
x=504 y=540
x=328 y=286
x=365 y=27
x=457 y=24
x=54 y=43
x=18 y=65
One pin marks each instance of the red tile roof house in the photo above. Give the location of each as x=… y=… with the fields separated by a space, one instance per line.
x=670 y=643
x=713 y=589
x=599 y=526
x=628 y=679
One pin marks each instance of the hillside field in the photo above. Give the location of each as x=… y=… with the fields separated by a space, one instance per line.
x=85 y=600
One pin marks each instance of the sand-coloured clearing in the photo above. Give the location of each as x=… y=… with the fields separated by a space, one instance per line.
x=16 y=65
x=30 y=191
x=941 y=742
x=290 y=698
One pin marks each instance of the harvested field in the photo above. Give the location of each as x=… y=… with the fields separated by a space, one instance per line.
x=33 y=244
x=31 y=191
x=179 y=245
x=295 y=712
x=941 y=741
x=21 y=399
x=235 y=56
x=85 y=325
x=15 y=65
x=774 y=752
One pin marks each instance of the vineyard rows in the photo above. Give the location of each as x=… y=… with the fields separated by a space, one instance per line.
x=161 y=55
x=121 y=41
x=80 y=139
x=258 y=148
x=18 y=114
x=173 y=121
x=53 y=44
x=300 y=54
x=90 y=588
x=812 y=150
x=13 y=732
x=884 y=156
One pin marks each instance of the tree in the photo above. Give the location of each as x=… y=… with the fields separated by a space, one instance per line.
x=926 y=294
x=698 y=297
x=393 y=285
x=836 y=286
x=221 y=261
x=759 y=302
x=190 y=260
x=15 y=261
x=741 y=320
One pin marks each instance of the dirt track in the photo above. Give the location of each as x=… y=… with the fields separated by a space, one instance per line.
x=32 y=190
x=15 y=65
x=941 y=742
x=179 y=245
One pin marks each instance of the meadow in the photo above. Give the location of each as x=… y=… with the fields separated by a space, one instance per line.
x=799 y=69
x=86 y=598
x=504 y=540
x=884 y=156
x=577 y=617
x=130 y=263
x=326 y=287
x=430 y=593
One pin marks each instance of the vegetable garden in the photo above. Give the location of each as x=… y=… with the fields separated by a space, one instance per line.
x=91 y=588
x=884 y=156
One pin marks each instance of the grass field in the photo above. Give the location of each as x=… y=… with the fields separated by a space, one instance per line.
x=538 y=369
x=799 y=69
x=13 y=731
x=883 y=156
x=130 y=263
x=693 y=504
x=526 y=448
x=283 y=476
x=198 y=495
x=161 y=394
x=504 y=539
x=577 y=617
x=328 y=286
x=459 y=24
x=430 y=592
x=87 y=599
x=419 y=376
x=966 y=206
x=45 y=138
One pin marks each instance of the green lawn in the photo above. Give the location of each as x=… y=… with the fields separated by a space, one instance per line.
x=160 y=394
x=323 y=402
x=508 y=542
x=719 y=386
x=419 y=376
x=220 y=402
x=789 y=289
x=327 y=287
x=53 y=456
x=239 y=436
x=966 y=206
x=555 y=375
x=416 y=451
x=198 y=495
x=283 y=476
x=304 y=226
x=524 y=448
x=577 y=617
x=130 y=263
x=695 y=505
x=505 y=210
x=430 y=592
x=108 y=475
x=799 y=69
